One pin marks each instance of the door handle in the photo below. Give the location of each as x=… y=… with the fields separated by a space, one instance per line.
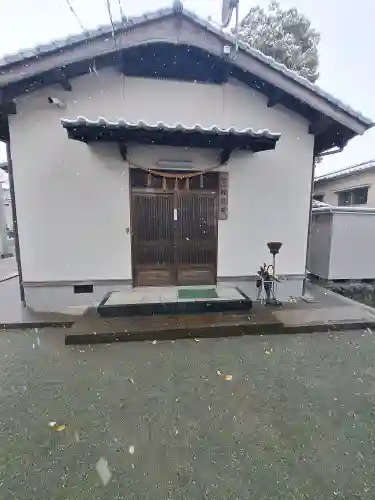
x=175 y=214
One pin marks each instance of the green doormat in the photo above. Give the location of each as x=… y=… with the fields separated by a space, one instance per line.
x=197 y=293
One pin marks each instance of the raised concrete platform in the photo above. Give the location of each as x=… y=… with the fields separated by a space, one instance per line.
x=154 y=301
x=8 y=268
x=93 y=329
x=320 y=311
x=14 y=315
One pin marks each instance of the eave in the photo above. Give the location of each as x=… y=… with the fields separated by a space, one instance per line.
x=179 y=135
x=332 y=123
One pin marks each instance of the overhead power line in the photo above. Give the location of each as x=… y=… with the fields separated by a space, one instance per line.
x=75 y=14
x=111 y=20
x=122 y=14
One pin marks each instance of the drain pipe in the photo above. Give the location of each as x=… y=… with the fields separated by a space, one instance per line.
x=15 y=222
x=332 y=151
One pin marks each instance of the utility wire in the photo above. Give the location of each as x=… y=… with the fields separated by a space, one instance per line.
x=122 y=13
x=75 y=14
x=111 y=21
x=92 y=67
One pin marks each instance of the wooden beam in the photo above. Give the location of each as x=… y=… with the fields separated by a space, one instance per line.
x=320 y=125
x=8 y=108
x=66 y=85
x=274 y=98
x=3 y=96
x=338 y=138
x=123 y=151
x=4 y=128
x=7 y=104
x=73 y=135
x=63 y=80
x=224 y=156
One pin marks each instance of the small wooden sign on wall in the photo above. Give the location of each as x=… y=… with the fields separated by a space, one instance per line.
x=223 y=195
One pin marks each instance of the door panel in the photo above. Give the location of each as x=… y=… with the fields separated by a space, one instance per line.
x=174 y=230
x=196 y=238
x=153 y=251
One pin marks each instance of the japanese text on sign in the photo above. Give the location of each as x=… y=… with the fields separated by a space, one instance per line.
x=223 y=196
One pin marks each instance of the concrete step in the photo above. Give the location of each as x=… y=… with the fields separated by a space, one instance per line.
x=93 y=329
x=123 y=307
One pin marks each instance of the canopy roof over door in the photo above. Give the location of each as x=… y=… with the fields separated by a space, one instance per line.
x=85 y=130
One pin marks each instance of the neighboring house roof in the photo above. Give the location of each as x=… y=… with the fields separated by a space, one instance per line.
x=345 y=172
x=62 y=44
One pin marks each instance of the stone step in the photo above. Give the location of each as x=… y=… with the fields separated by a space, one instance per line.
x=93 y=329
x=117 y=305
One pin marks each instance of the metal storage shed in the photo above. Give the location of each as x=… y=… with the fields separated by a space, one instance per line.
x=342 y=242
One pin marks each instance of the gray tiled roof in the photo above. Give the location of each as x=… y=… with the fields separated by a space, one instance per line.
x=214 y=129
x=65 y=43
x=107 y=30
x=344 y=172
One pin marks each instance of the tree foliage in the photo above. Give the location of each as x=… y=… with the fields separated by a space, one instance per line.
x=285 y=35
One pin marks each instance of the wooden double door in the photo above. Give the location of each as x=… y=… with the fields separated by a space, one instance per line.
x=174 y=232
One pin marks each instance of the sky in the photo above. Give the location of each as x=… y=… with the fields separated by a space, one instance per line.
x=347 y=65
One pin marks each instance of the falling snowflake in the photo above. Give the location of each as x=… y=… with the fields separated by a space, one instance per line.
x=103 y=470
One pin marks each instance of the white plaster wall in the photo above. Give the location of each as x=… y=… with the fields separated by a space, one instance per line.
x=73 y=211
x=61 y=298
x=319 y=250
x=352 y=246
x=73 y=200
x=148 y=156
x=269 y=193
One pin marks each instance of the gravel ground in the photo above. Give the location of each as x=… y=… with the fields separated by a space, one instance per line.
x=281 y=417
